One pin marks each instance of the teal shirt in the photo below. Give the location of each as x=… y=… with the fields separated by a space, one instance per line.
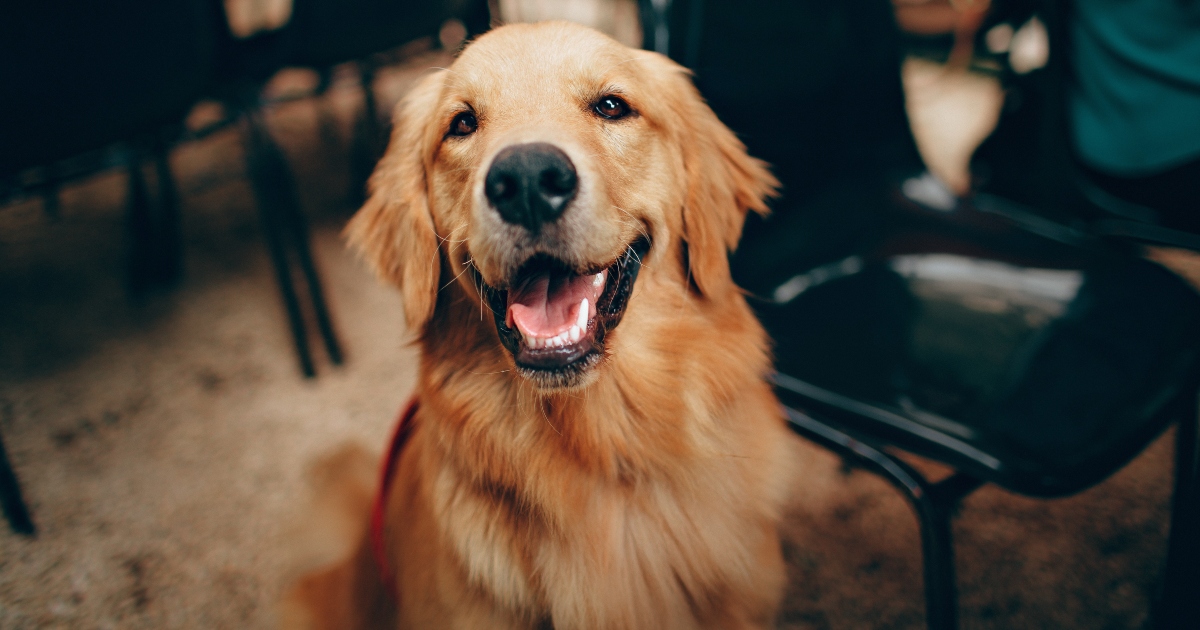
x=1135 y=106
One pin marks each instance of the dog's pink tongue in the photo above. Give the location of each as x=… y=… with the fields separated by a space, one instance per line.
x=548 y=303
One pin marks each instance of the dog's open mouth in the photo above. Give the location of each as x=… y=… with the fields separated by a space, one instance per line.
x=553 y=318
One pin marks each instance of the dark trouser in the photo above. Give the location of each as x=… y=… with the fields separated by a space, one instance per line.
x=1174 y=194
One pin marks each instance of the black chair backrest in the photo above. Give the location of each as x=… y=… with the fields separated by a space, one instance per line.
x=79 y=75
x=333 y=31
x=813 y=87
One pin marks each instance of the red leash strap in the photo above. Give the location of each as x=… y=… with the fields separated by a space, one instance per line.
x=378 y=544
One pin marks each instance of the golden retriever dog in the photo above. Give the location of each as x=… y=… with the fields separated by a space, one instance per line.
x=594 y=444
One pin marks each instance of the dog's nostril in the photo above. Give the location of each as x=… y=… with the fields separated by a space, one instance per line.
x=531 y=184
x=501 y=188
x=558 y=182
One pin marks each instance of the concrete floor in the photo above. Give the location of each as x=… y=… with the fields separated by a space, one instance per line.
x=163 y=443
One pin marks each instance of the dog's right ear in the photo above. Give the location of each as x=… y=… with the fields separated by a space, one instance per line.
x=722 y=182
x=394 y=230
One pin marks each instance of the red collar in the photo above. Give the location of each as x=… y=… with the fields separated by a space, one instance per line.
x=378 y=510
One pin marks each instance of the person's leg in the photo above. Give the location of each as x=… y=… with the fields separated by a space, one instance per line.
x=1174 y=194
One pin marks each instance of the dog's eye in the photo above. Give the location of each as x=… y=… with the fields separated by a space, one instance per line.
x=611 y=107
x=464 y=124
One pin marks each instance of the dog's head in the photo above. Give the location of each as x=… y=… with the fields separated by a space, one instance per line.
x=540 y=174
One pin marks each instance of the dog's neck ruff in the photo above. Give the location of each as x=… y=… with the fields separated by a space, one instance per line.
x=379 y=508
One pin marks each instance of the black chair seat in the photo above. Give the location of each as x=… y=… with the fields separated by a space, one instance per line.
x=1036 y=365
x=1017 y=351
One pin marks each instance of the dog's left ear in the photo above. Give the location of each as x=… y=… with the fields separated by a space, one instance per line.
x=723 y=181
x=394 y=230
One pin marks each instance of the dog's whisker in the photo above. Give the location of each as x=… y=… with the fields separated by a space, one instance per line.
x=635 y=255
x=479 y=290
x=638 y=225
x=542 y=409
x=469 y=264
x=452 y=280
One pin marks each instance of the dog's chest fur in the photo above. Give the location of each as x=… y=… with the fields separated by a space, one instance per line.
x=615 y=548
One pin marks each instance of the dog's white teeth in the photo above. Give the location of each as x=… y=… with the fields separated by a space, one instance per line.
x=581 y=319
x=566 y=337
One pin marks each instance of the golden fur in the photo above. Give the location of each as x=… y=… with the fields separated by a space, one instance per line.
x=646 y=495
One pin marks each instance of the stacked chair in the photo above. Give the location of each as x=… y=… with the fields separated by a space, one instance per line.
x=90 y=86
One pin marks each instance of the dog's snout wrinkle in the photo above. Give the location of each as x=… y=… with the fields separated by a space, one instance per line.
x=531 y=184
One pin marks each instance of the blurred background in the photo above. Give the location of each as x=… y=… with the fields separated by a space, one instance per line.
x=976 y=265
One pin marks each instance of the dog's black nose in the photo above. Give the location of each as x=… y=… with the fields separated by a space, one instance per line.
x=531 y=184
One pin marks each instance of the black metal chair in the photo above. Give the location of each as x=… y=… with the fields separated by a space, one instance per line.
x=1010 y=346
x=1038 y=365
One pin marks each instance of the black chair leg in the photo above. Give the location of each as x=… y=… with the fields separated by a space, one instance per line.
x=155 y=258
x=369 y=142
x=327 y=124
x=370 y=110
x=934 y=505
x=1180 y=605
x=274 y=188
x=298 y=228
x=140 y=224
x=935 y=509
x=286 y=229
x=11 y=500
x=937 y=554
x=170 y=233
